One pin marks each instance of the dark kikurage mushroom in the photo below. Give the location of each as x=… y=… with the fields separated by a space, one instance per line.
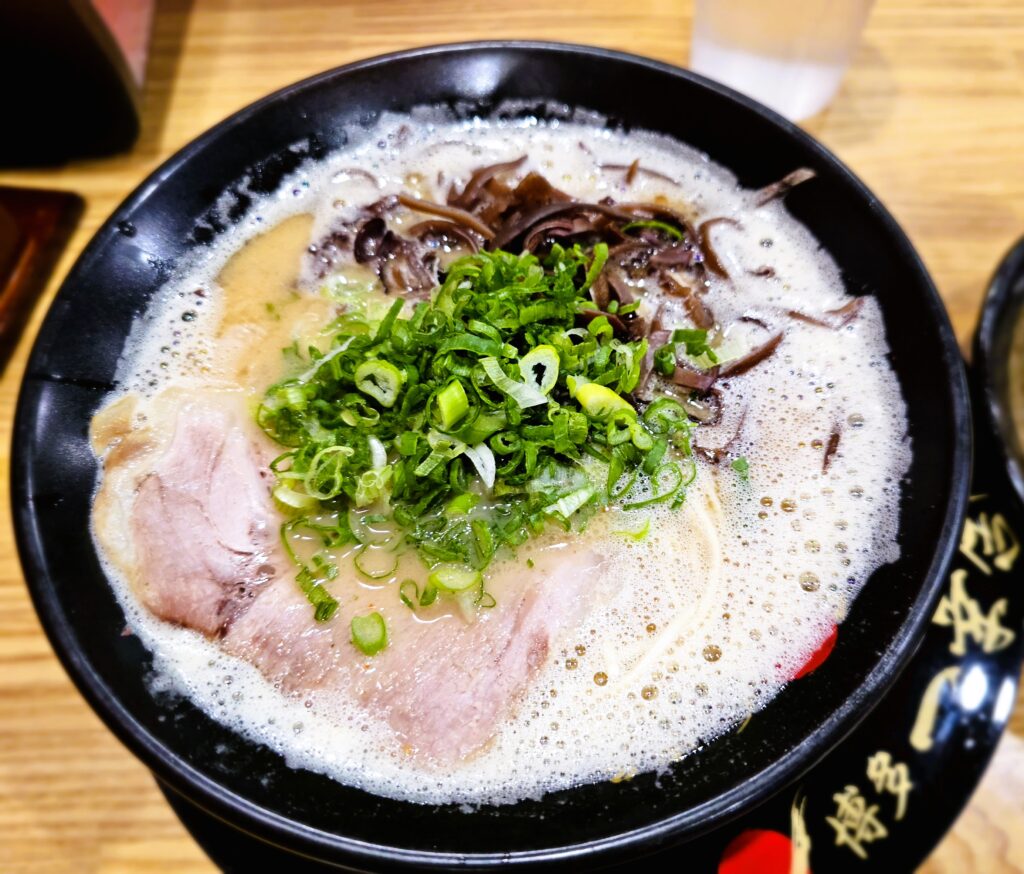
x=714 y=263
x=434 y=231
x=636 y=169
x=751 y=358
x=717 y=454
x=830 y=450
x=835 y=319
x=467 y=199
x=452 y=213
x=783 y=186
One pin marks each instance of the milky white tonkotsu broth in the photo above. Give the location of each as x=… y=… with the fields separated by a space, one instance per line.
x=691 y=628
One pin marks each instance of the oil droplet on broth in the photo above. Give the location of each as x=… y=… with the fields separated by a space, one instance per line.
x=712 y=653
x=601 y=678
x=809 y=582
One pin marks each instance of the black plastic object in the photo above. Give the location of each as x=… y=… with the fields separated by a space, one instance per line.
x=72 y=369
x=68 y=91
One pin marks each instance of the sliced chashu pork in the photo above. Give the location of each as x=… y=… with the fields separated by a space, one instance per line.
x=184 y=512
x=184 y=508
x=445 y=685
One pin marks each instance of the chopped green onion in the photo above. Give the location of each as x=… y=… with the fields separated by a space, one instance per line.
x=324 y=605
x=323 y=480
x=565 y=507
x=378 y=454
x=381 y=380
x=675 y=475
x=451 y=577
x=409 y=593
x=359 y=414
x=483 y=540
x=452 y=404
x=601 y=328
x=600 y=402
x=308 y=375
x=372 y=485
x=291 y=498
x=478 y=327
x=470 y=343
x=696 y=342
x=639 y=436
x=368 y=563
x=481 y=427
x=461 y=504
x=362 y=530
x=483 y=460
x=443 y=448
x=653 y=458
x=666 y=415
x=522 y=393
x=395 y=431
x=665 y=359
x=539 y=368
x=639 y=534
x=619 y=425
x=596 y=265
x=369 y=633
x=742 y=467
x=615 y=475
x=387 y=323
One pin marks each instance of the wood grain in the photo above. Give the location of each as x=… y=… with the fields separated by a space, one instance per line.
x=931 y=116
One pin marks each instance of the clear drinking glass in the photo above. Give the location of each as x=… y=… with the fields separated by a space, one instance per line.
x=789 y=54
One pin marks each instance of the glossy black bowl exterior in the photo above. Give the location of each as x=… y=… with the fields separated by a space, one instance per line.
x=72 y=368
x=993 y=342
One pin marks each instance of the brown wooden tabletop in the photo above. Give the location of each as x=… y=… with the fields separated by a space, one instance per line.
x=931 y=116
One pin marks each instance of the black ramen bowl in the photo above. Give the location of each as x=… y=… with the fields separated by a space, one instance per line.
x=992 y=360
x=249 y=786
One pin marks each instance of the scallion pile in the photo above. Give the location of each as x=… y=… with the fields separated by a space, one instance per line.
x=470 y=422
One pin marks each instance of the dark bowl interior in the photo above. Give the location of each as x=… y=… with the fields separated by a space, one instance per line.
x=73 y=363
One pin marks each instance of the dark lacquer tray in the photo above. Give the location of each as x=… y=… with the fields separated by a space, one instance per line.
x=885 y=797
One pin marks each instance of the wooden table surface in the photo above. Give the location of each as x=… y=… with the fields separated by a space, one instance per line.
x=931 y=116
